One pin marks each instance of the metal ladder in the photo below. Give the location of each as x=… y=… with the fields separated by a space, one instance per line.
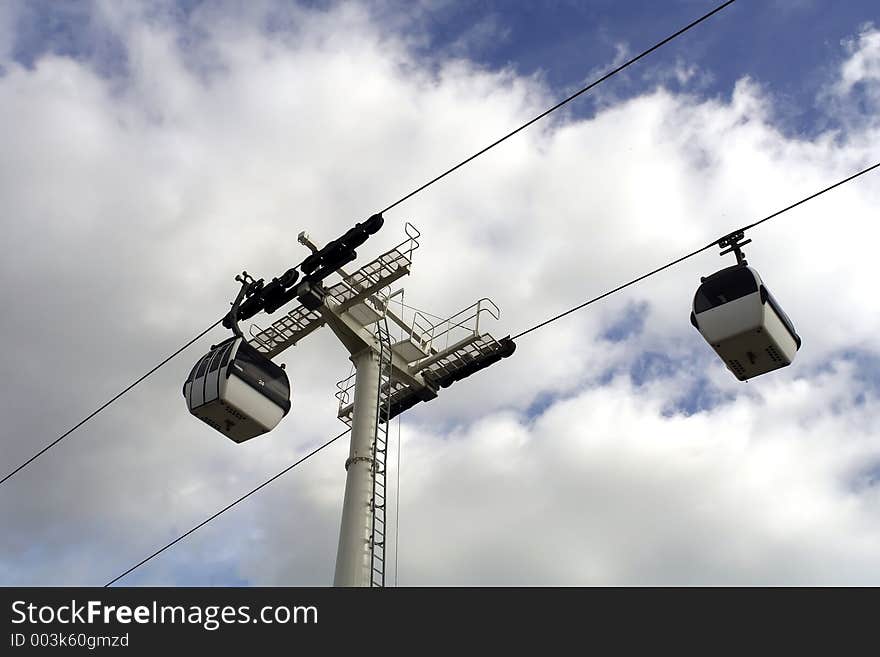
x=380 y=454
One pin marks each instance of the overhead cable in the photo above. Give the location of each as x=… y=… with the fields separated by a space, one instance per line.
x=692 y=253
x=519 y=335
x=540 y=116
x=225 y=509
x=567 y=100
x=105 y=405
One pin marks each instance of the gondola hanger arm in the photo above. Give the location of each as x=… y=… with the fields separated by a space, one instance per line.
x=733 y=243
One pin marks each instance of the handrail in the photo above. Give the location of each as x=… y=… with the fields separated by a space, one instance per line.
x=427 y=333
x=344 y=386
x=412 y=241
x=463 y=318
x=257 y=337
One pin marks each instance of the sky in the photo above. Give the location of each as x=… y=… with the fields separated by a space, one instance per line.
x=153 y=150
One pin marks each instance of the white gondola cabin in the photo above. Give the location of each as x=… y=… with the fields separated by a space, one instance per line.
x=743 y=323
x=237 y=390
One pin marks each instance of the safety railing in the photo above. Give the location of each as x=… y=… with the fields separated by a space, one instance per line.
x=438 y=336
x=345 y=392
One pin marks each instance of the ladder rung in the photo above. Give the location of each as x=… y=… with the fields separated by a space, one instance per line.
x=386 y=390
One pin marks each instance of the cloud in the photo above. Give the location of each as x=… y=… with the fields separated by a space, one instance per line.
x=132 y=195
x=605 y=490
x=863 y=64
x=854 y=96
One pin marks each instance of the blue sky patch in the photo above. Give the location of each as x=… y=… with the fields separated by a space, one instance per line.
x=866 y=373
x=629 y=324
x=541 y=403
x=790 y=48
x=66 y=29
x=701 y=396
x=651 y=365
x=867 y=477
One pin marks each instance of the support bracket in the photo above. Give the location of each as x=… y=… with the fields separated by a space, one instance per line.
x=733 y=243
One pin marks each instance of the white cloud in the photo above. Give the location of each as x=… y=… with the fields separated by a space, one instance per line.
x=131 y=202
x=863 y=64
x=854 y=96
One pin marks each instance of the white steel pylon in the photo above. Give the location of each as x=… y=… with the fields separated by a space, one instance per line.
x=389 y=378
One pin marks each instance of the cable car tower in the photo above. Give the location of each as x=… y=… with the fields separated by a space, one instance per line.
x=390 y=376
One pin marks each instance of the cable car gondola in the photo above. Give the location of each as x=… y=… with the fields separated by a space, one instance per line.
x=743 y=323
x=234 y=388
x=237 y=390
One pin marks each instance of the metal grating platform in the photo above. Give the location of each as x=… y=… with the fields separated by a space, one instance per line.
x=398 y=396
x=349 y=291
x=484 y=345
x=447 y=347
x=345 y=394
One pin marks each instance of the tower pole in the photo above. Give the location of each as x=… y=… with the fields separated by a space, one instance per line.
x=353 y=560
